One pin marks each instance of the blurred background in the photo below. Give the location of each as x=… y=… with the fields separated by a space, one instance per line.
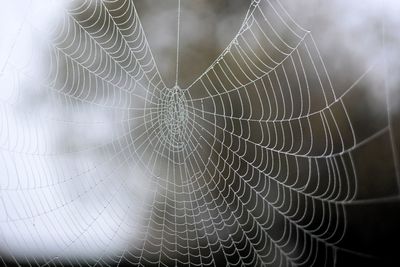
x=90 y=173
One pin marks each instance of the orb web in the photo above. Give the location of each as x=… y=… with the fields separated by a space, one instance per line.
x=251 y=164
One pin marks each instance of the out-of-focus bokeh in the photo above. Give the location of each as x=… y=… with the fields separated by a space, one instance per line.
x=103 y=161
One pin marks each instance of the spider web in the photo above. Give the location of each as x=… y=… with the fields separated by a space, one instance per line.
x=252 y=164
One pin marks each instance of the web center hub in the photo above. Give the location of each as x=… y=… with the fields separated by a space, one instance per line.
x=173 y=118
